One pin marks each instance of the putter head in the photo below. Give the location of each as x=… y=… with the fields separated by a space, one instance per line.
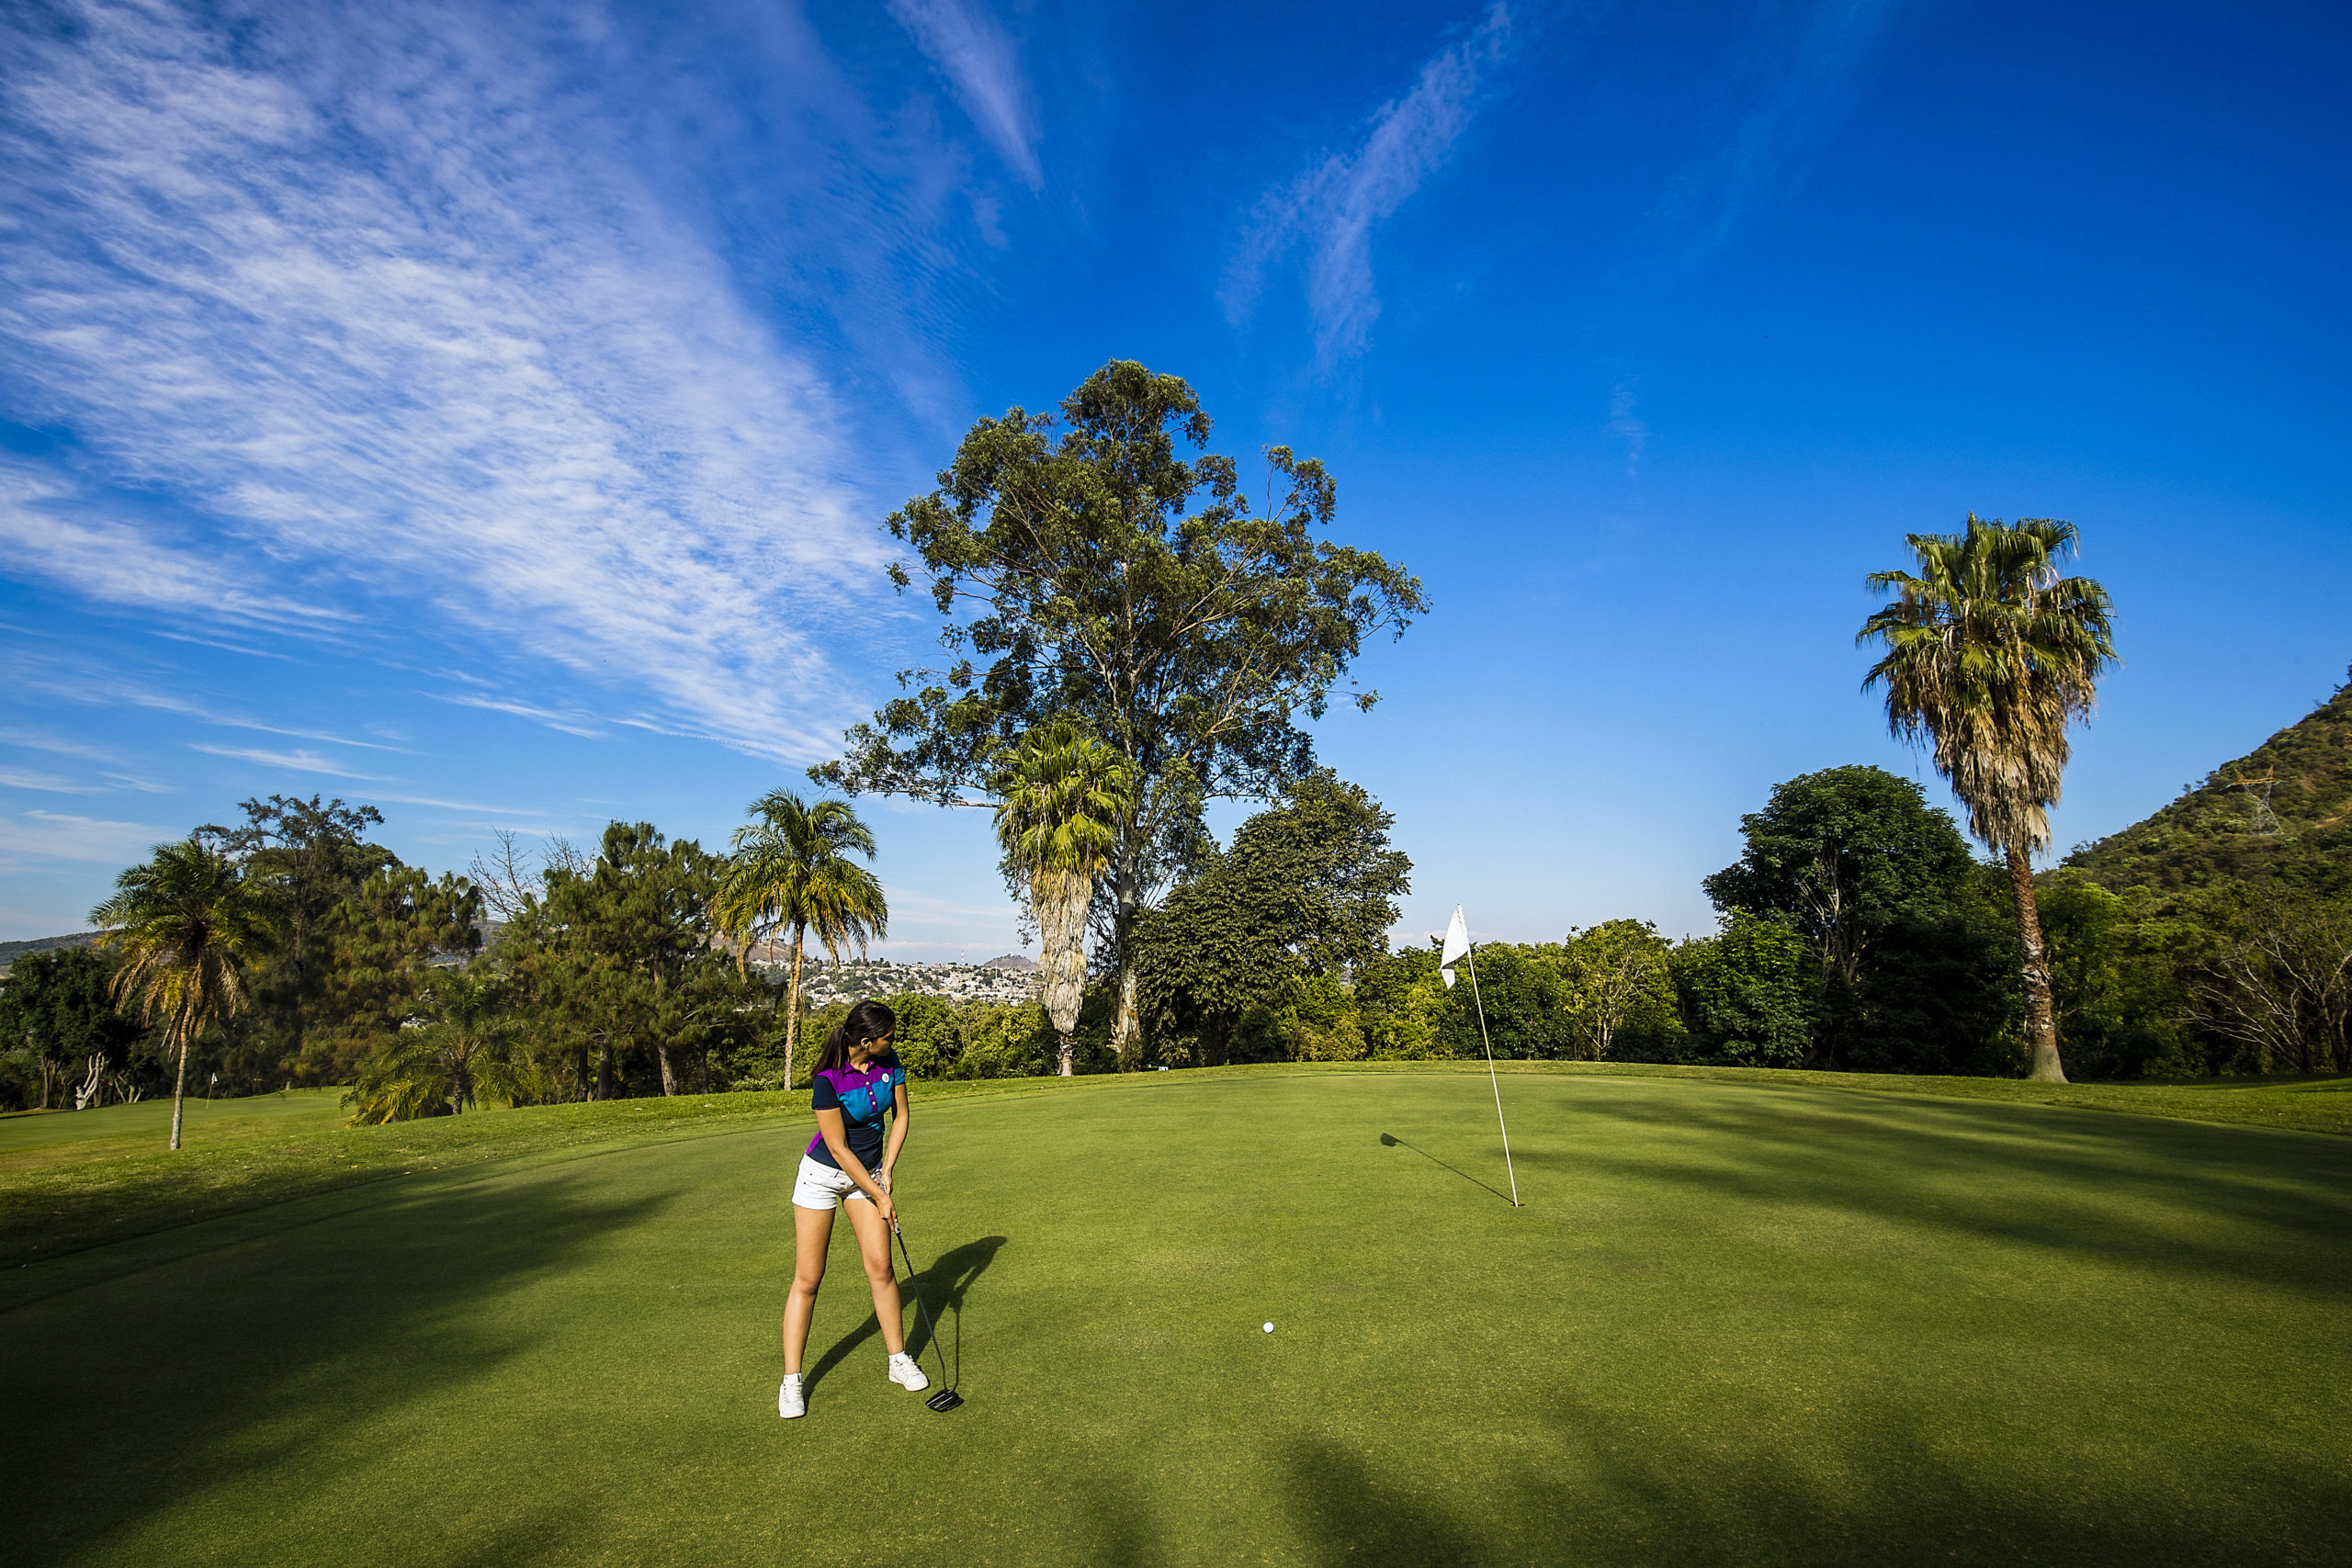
x=1386 y=1141
x=945 y=1399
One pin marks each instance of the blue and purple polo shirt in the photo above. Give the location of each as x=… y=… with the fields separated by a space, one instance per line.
x=861 y=1096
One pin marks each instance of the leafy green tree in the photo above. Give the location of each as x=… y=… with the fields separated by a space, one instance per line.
x=1061 y=795
x=1528 y=1003
x=1992 y=656
x=461 y=1054
x=1842 y=857
x=1748 y=994
x=1622 y=990
x=57 y=1009
x=1880 y=884
x=929 y=1041
x=313 y=853
x=1399 y=1003
x=2115 y=978
x=619 y=958
x=1307 y=891
x=383 y=941
x=189 y=929
x=791 y=869
x=1085 y=571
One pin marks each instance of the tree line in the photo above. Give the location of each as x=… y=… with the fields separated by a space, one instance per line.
x=1130 y=636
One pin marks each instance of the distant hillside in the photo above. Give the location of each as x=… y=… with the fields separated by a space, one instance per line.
x=12 y=951
x=2225 y=830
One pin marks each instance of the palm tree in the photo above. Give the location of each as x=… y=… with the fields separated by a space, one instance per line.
x=187 y=924
x=791 y=867
x=1061 y=795
x=457 y=1058
x=1993 y=654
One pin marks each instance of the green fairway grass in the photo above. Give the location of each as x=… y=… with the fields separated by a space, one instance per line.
x=1737 y=1322
x=148 y=1125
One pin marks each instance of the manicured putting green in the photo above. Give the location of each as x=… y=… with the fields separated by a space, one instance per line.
x=1733 y=1324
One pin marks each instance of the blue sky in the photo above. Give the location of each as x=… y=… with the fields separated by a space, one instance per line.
x=485 y=411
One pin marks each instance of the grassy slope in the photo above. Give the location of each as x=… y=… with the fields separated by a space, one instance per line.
x=77 y=1179
x=2200 y=842
x=1736 y=1323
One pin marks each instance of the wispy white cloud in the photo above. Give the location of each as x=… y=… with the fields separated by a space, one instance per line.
x=509 y=815
x=356 y=284
x=1334 y=208
x=49 y=530
x=63 y=837
x=973 y=53
x=52 y=783
x=1811 y=79
x=578 y=724
x=1626 y=427
x=299 y=762
x=57 y=745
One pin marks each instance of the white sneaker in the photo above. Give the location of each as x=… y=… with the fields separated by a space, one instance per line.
x=789 y=1401
x=905 y=1374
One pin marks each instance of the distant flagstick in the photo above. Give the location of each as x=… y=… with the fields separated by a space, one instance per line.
x=1457 y=946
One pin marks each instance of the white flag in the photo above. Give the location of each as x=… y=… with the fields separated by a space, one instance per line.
x=1457 y=942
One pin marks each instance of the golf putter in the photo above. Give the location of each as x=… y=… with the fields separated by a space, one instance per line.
x=947 y=1398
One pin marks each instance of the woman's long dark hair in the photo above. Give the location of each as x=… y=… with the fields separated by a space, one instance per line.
x=868 y=1021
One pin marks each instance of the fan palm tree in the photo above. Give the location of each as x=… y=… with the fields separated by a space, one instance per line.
x=791 y=869
x=188 y=925
x=459 y=1057
x=1992 y=656
x=1061 y=795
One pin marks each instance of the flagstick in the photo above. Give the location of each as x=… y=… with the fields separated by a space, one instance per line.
x=1471 y=952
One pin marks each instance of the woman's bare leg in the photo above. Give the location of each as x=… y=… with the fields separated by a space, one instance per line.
x=874 y=1249
x=812 y=1230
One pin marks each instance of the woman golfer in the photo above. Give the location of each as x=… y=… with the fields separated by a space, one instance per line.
x=858 y=1078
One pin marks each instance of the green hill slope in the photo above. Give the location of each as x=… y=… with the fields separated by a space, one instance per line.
x=2220 y=833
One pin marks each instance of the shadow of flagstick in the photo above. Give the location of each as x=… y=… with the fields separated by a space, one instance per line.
x=1392 y=1141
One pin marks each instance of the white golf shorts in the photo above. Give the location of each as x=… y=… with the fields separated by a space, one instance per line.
x=819 y=1186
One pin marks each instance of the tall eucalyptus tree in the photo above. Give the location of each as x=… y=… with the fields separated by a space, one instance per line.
x=1084 y=570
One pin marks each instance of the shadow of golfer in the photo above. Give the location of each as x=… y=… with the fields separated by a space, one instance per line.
x=1391 y=1141
x=944 y=1286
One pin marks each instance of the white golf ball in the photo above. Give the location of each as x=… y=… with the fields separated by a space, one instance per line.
x=1270 y=1328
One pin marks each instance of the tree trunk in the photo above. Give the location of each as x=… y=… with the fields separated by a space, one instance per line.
x=2041 y=1019
x=179 y=1092
x=604 y=1068
x=669 y=1078
x=1066 y=1056
x=1126 y=1021
x=1126 y=1026
x=1061 y=899
x=792 y=1007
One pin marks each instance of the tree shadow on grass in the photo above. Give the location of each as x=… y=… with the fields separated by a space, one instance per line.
x=2136 y=1191
x=944 y=1286
x=229 y=1375
x=1885 y=1485
x=1344 y=1515
x=1881 y=1490
x=1392 y=1141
